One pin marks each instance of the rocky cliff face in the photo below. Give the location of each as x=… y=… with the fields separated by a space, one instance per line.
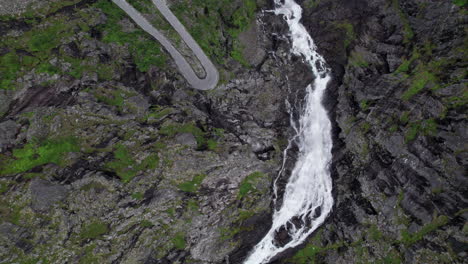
x=107 y=156
x=399 y=103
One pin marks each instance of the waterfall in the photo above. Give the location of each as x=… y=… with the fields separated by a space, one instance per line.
x=307 y=199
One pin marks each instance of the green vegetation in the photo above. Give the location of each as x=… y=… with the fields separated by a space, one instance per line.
x=203 y=142
x=374 y=233
x=348 y=30
x=93 y=186
x=308 y=254
x=4 y=187
x=357 y=59
x=408 y=31
x=179 y=241
x=126 y=167
x=365 y=127
x=248 y=183
x=211 y=21
x=460 y=3
x=193 y=205
x=419 y=82
x=425 y=127
x=364 y=104
x=34 y=154
x=404 y=118
x=409 y=239
x=146 y=223
x=137 y=196
x=112 y=96
x=45 y=40
x=156 y=113
x=193 y=185
x=405 y=66
x=311 y=3
x=144 y=49
x=94 y=230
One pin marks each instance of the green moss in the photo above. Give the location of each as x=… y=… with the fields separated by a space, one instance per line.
x=88 y=256
x=210 y=22
x=426 y=127
x=348 y=30
x=408 y=33
x=409 y=239
x=145 y=50
x=34 y=154
x=374 y=233
x=146 y=224
x=365 y=127
x=248 y=183
x=193 y=185
x=94 y=230
x=405 y=66
x=157 y=112
x=4 y=187
x=93 y=186
x=112 y=97
x=357 y=60
x=172 y=129
x=126 y=167
x=460 y=3
x=418 y=83
x=404 y=118
x=137 y=196
x=10 y=65
x=311 y=3
x=44 y=39
x=412 y=132
x=364 y=104
x=193 y=205
x=178 y=241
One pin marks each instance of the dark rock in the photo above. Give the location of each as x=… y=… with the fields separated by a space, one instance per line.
x=45 y=194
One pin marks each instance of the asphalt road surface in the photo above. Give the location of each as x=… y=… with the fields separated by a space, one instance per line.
x=212 y=76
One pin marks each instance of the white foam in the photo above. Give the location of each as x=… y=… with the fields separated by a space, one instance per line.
x=308 y=190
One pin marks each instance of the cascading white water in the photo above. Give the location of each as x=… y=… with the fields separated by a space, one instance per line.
x=307 y=199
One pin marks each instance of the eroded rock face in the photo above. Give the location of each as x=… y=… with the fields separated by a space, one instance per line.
x=107 y=156
x=397 y=100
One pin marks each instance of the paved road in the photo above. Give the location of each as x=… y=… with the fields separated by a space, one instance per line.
x=212 y=76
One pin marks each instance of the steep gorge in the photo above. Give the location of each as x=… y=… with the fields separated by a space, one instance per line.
x=108 y=156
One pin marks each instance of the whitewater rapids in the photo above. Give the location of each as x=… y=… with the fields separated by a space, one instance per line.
x=307 y=199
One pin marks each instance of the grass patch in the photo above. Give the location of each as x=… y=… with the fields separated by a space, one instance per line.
x=178 y=241
x=137 y=196
x=426 y=127
x=248 y=184
x=460 y=3
x=94 y=230
x=408 y=33
x=126 y=167
x=409 y=239
x=357 y=60
x=193 y=185
x=203 y=142
x=34 y=154
x=349 y=33
x=93 y=186
x=210 y=22
x=419 y=82
x=146 y=224
x=145 y=50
